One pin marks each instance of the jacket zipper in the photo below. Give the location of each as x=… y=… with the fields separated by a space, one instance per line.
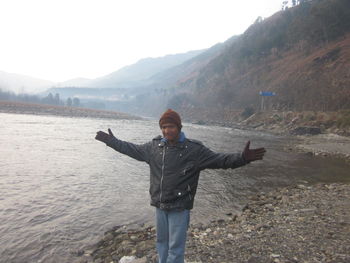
x=161 y=180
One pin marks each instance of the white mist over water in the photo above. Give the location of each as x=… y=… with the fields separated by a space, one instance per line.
x=60 y=189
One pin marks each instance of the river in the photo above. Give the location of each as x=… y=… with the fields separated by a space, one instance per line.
x=60 y=189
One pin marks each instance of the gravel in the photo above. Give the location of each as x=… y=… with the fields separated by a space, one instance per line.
x=301 y=223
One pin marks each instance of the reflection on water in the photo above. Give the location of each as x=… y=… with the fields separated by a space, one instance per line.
x=61 y=189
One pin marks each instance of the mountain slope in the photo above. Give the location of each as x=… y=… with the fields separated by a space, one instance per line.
x=302 y=54
x=139 y=74
x=76 y=82
x=20 y=83
x=166 y=85
x=140 y=90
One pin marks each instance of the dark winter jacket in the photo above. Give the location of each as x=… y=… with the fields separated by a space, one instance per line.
x=174 y=170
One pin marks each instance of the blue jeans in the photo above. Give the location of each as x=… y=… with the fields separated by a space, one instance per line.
x=171 y=235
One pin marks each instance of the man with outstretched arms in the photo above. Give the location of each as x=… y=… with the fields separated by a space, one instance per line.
x=175 y=163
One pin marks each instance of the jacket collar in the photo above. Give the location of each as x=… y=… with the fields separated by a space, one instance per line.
x=182 y=138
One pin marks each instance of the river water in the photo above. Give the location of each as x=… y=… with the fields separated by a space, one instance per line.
x=60 y=189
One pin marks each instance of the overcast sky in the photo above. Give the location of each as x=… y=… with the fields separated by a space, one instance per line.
x=62 y=39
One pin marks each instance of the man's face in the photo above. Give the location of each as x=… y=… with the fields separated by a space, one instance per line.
x=170 y=132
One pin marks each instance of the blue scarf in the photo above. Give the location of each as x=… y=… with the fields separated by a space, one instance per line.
x=181 y=138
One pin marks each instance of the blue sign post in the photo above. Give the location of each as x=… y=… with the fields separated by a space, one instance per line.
x=265 y=94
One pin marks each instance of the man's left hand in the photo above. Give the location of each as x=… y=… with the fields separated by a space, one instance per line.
x=251 y=155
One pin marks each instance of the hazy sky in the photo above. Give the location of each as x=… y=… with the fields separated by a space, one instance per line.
x=62 y=39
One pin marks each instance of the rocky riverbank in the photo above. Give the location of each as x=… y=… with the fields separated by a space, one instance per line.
x=319 y=133
x=41 y=109
x=325 y=145
x=294 y=224
x=278 y=122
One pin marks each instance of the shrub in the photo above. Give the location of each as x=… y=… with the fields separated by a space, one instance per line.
x=344 y=119
x=247 y=112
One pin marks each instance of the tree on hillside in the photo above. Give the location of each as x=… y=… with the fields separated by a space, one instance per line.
x=300 y=2
x=76 y=102
x=259 y=19
x=284 y=5
x=69 y=102
x=6 y=95
x=180 y=100
x=294 y=3
x=57 y=99
x=49 y=99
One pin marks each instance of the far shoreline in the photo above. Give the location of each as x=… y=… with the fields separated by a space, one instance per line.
x=63 y=111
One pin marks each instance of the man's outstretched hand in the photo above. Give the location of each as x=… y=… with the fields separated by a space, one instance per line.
x=104 y=137
x=251 y=155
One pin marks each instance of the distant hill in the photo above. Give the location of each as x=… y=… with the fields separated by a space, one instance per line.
x=134 y=87
x=138 y=74
x=166 y=86
x=22 y=84
x=189 y=68
x=135 y=75
x=77 y=82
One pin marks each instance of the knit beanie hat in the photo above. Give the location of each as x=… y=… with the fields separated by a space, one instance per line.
x=170 y=116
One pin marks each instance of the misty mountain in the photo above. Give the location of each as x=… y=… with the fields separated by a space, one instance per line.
x=22 y=84
x=189 y=68
x=76 y=82
x=131 y=76
x=152 y=82
x=135 y=75
x=133 y=81
x=140 y=73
